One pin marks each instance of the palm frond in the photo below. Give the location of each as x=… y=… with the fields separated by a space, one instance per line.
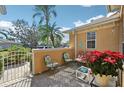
x=54 y=13
x=36 y=14
x=4 y=34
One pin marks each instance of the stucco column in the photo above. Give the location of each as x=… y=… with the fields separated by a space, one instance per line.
x=33 y=63
x=122 y=42
x=75 y=36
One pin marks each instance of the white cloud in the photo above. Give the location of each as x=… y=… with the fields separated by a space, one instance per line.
x=64 y=28
x=80 y=23
x=94 y=18
x=111 y=13
x=6 y=25
x=66 y=36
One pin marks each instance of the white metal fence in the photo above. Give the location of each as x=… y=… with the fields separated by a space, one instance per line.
x=14 y=66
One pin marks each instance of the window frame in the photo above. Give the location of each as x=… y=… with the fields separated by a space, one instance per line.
x=91 y=40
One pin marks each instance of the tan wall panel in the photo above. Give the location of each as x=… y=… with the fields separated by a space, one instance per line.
x=71 y=40
x=56 y=55
x=81 y=41
x=106 y=39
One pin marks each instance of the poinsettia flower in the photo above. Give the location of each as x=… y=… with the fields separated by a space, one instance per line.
x=118 y=55
x=88 y=53
x=111 y=60
x=102 y=58
x=97 y=53
x=93 y=59
x=108 y=52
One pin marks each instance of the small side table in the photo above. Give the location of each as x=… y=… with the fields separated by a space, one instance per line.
x=84 y=75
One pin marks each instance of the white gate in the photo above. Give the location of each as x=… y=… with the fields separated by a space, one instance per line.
x=14 y=66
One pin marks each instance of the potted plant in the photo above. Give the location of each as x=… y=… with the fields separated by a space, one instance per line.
x=104 y=64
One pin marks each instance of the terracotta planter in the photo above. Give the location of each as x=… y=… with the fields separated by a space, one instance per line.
x=103 y=80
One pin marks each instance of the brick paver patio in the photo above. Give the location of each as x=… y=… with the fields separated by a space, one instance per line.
x=64 y=76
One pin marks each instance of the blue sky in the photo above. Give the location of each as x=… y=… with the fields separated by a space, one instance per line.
x=67 y=15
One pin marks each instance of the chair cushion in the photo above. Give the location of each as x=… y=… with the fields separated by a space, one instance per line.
x=68 y=60
x=84 y=70
x=48 y=60
x=52 y=64
x=66 y=56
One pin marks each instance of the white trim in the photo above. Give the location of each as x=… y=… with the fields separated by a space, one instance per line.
x=93 y=39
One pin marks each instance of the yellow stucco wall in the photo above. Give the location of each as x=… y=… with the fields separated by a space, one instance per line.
x=107 y=38
x=81 y=41
x=71 y=40
x=56 y=55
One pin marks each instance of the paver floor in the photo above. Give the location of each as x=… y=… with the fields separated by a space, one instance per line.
x=64 y=76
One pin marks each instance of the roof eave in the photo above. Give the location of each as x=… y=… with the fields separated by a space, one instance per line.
x=107 y=20
x=99 y=23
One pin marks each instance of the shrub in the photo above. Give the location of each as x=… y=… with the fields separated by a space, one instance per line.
x=18 y=48
x=16 y=54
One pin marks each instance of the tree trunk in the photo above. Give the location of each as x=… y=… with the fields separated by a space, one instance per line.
x=52 y=39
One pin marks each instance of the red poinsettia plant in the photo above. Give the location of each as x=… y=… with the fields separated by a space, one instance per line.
x=104 y=63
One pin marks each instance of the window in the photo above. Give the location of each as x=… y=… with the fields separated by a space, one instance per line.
x=91 y=39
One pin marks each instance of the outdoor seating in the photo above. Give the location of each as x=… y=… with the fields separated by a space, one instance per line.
x=49 y=62
x=71 y=51
x=67 y=58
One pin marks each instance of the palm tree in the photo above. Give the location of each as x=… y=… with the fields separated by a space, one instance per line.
x=3 y=33
x=45 y=12
x=54 y=34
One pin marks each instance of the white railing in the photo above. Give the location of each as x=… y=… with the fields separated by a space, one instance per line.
x=15 y=65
